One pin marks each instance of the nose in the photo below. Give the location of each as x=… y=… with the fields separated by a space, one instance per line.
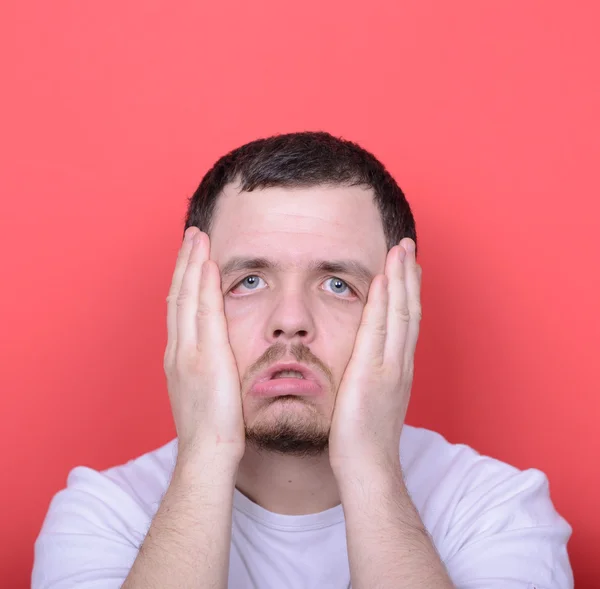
x=291 y=319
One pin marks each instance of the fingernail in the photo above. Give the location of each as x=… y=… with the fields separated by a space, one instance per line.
x=188 y=234
x=410 y=246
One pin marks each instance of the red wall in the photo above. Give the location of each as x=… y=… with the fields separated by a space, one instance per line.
x=486 y=113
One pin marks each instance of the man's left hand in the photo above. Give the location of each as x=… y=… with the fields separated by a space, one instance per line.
x=373 y=396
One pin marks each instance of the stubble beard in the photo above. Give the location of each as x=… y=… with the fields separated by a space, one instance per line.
x=288 y=427
x=298 y=432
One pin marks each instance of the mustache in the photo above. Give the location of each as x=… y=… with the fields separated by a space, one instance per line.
x=274 y=353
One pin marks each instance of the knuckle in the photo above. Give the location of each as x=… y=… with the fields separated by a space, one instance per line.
x=402 y=311
x=380 y=329
x=203 y=311
x=182 y=297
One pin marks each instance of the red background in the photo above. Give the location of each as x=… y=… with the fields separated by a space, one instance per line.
x=485 y=112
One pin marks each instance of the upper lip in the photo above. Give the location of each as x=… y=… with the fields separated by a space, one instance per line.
x=268 y=373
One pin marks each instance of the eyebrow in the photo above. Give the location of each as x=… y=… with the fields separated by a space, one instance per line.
x=348 y=267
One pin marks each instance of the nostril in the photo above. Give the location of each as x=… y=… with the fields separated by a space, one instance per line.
x=300 y=332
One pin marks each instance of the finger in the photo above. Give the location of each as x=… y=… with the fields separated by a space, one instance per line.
x=413 y=273
x=180 y=266
x=398 y=313
x=371 y=336
x=187 y=298
x=211 y=322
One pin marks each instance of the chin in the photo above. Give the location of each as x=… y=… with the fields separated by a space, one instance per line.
x=289 y=431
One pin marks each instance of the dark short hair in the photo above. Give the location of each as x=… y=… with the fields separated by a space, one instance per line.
x=302 y=160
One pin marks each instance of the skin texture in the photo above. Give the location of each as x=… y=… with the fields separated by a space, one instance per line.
x=293 y=308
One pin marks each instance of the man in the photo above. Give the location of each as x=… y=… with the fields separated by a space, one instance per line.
x=293 y=318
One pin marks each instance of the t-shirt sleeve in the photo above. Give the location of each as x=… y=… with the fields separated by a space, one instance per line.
x=506 y=534
x=90 y=536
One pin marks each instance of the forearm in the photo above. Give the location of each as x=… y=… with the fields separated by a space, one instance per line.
x=388 y=545
x=188 y=543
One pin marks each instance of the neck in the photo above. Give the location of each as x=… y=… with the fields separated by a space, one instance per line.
x=288 y=485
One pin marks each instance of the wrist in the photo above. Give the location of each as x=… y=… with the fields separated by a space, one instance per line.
x=369 y=480
x=206 y=467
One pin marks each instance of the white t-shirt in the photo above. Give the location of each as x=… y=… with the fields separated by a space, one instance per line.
x=494 y=526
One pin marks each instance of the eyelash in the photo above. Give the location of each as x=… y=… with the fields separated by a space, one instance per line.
x=342 y=299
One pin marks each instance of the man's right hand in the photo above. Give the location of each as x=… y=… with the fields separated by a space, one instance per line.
x=202 y=375
x=189 y=540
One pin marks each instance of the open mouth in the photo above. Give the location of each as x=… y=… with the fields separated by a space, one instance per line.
x=287 y=374
x=287 y=382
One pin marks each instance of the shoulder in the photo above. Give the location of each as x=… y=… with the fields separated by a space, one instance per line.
x=485 y=515
x=122 y=499
x=145 y=478
x=428 y=458
x=458 y=477
x=457 y=473
x=100 y=519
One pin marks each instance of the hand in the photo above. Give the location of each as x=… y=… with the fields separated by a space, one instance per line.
x=373 y=396
x=202 y=375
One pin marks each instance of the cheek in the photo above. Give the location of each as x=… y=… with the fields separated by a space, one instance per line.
x=337 y=332
x=242 y=327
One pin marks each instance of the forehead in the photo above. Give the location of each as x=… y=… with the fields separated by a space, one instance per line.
x=296 y=225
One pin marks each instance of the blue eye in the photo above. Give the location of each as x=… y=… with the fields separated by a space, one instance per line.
x=250 y=282
x=339 y=286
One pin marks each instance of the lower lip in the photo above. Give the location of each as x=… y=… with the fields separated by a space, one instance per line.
x=285 y=386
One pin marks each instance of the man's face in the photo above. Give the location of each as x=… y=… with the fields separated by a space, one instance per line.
x=295 y=312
